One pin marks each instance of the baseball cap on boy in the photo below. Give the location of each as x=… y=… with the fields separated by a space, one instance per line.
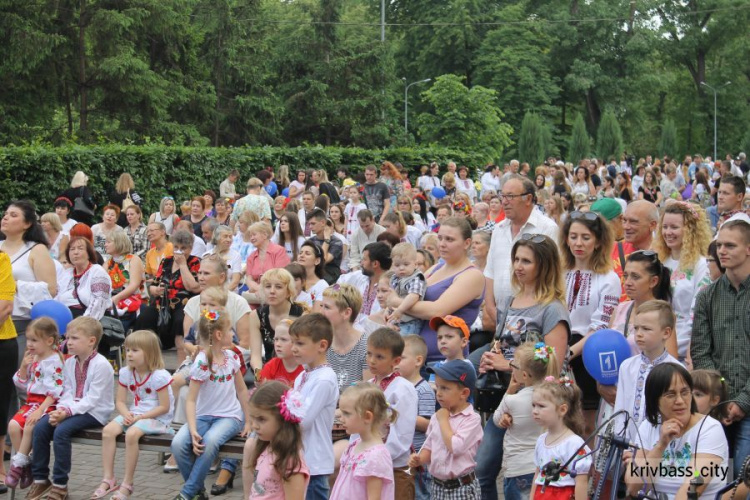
x=449 y=320
x=457 y=370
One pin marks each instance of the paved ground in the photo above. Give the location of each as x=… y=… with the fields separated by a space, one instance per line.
x=150 y=482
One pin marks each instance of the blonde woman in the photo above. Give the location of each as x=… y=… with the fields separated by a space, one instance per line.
x=682 y=240
x=58 y=240
x=277 y=286
x=267 y=256
x=124 y=196
x=166 y=215
x=83 y=209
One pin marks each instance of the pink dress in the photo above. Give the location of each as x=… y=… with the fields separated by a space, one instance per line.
x=268 y=484
x=351 y=483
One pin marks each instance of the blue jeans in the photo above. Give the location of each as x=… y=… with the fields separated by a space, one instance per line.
x=741 y=443
x=713 y=217
x=518 y=488
x=215 y=431
x=422 y=485
x=230 y=464
x=318 y=489
x=410 y=327
x=59 y=435
x=490 y=459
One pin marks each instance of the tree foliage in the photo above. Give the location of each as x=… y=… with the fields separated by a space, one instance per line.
x=609 y=136
x=264 y=72
x=532 y=140
x=459 y=116
x=579 y=145
x=668 y=142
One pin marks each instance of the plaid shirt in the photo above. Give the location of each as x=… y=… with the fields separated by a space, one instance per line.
x=721 y=335
x=139 y=240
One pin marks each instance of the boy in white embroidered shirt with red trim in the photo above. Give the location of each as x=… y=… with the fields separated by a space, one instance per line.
x=87 y=402
x=453 y=435
x=384 y=350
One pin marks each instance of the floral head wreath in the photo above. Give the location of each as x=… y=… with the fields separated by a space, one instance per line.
x=291 y=406
x=211 y=315
x=542 y=352
x=689 y=207
x=563 y=381
x=460 y=206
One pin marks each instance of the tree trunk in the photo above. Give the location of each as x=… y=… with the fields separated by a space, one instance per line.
x=82 y=84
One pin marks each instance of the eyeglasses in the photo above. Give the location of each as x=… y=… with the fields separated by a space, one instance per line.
x=685 y=395
x=647 y=253
x=592 y=216
x=534 y=238
x=514 y=366
x=168 y=198
x=510 y=197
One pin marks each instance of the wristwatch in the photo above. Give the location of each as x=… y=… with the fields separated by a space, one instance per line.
x=327 y=241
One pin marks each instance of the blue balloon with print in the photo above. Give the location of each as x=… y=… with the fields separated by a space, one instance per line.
x=603 y=353
x=285 y=192
x=272 y=189
x=438 y=192
x=55 y=310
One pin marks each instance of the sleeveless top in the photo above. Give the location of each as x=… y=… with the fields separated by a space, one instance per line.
x=54 y=249
x=22 y=271
x=468 y=313
x=168 y=222
x=266 y=330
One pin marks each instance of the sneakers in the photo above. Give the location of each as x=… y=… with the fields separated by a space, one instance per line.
x=38 y=490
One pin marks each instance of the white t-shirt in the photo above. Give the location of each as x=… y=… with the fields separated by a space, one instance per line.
x=236 y=306
x=560 y=453
x=521 y=437
x=288 y=245
x=68 y=226
x=145 y=392
x=681 y=453
x=217 y=396
x=316 y=291
x=232 y=258
x=319 y=388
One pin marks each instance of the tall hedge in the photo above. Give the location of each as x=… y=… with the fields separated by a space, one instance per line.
x=41 y=173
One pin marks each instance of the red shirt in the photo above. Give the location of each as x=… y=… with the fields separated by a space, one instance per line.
x=274 y=370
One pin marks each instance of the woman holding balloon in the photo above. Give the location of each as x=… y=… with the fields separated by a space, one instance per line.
x=592 y=292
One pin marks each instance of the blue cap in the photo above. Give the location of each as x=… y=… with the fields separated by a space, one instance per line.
x=458 y=370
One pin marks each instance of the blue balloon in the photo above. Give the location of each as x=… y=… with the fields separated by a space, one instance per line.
x=55 y=310
x=438 y=192
x=285 y=192
x=603 y=353
x=272 y=189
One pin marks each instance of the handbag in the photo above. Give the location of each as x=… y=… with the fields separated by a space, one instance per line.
x=79 y=205
x=165 y=316
x=127 y=202
x=491 y=386
x=112 y=328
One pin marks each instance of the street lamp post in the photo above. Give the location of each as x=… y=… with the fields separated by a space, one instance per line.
x=406 y=102
x=715 y=90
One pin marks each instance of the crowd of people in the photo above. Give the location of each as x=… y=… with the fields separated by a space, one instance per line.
x=386 y=336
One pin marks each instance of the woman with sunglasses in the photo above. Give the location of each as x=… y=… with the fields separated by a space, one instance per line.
x=311 y=258
x=592 y=292
x=166 y=214
x=534 y=312
x=682 y=239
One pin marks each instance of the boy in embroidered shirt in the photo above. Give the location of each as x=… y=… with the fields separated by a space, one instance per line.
x=87 y=402
x=654 y=323
x=384 y=350
x=312 y=335
x=453 y=435
x=412 y=361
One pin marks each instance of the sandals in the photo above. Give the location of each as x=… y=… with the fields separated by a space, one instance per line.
x=119 y=495
x=102 y=492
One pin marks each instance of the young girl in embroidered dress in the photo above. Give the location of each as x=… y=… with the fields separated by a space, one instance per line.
x=145 y=379
x=41 y=377
x=366 y=467
x=556 y=405
x=277 y=461
x=216 y=407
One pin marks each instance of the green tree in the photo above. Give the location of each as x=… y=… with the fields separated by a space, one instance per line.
x=668 y=142
x=579 y=145
x=609 y=136
x=532 y=146
x=460 y=116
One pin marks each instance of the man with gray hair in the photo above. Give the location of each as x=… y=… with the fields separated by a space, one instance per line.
x=512 y=170
x=639 y=223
